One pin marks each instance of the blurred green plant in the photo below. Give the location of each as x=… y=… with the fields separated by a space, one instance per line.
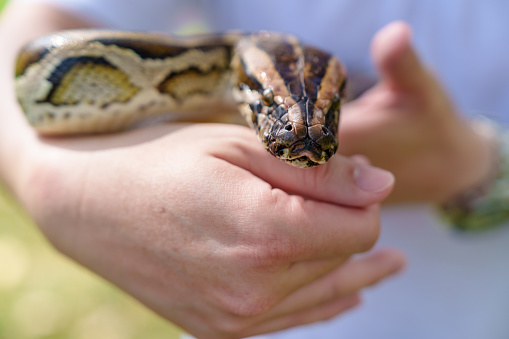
x=45 y=295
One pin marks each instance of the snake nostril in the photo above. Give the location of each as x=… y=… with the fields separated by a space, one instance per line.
x=288 y=127
x=325 y=130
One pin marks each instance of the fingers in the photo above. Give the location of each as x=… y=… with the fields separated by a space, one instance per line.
x=314 y=213
x=348 y=279
x=395 y=58
x=340 y=181
x=332 y=294
x=324 y=312
x=319 y=212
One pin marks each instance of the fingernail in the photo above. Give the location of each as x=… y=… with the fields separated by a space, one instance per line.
x=372 y=179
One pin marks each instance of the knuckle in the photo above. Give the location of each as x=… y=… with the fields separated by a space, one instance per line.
x=229 y=326
x=334 y=290
x=252 y=295
x=273 y=250
x=251 y=303
x=271 y=245
x=264 y=253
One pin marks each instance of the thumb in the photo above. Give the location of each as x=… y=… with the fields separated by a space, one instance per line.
x=395 y=58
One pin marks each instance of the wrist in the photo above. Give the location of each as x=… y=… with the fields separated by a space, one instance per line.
x=477 y=159
x=484 y=204
x=18 y=147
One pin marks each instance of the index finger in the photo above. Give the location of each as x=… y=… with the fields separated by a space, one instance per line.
x=340 y=181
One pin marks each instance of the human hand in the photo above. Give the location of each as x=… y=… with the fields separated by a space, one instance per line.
x=204 y=227
x=408 y=125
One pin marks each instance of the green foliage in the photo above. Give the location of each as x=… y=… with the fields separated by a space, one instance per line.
x=45 y=295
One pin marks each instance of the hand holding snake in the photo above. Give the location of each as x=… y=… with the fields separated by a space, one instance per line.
x=185 y=237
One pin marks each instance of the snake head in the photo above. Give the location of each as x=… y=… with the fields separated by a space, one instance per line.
x=290 y=94
x=302 y=135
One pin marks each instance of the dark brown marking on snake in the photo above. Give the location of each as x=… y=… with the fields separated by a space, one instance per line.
x=287 y=62
x=299 y=124
x=101 y=83
x=148 y=49
x=297 y=131
x=62 y=70
x=176 y=84
x=315 y=67
x=245 y=79
x=332 y=120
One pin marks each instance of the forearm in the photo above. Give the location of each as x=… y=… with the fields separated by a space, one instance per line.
x=19 y=24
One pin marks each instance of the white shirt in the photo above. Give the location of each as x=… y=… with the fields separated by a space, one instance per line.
x=456 y=285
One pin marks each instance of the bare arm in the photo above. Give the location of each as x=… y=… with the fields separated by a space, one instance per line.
x=196 y=221
x=19 y=24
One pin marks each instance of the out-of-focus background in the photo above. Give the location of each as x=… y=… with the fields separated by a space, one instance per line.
x=45 y=295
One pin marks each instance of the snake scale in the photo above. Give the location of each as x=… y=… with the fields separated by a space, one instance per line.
x=96 y=81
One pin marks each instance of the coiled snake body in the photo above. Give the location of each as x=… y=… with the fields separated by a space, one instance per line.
x=86 y=81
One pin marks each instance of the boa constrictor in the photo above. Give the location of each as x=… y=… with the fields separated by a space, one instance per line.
x=94 y=81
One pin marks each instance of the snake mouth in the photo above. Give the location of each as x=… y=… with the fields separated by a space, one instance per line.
x=306 y=149
x=303 y=154
x=303 y=162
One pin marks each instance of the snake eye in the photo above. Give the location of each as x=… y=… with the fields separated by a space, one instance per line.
x=268 y=97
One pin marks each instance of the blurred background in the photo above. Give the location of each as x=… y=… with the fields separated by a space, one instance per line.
x=45 y=295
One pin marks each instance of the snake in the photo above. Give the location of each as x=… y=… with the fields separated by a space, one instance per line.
x=88 y=81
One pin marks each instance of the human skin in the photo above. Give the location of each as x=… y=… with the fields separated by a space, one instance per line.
x=197 y=221
x=408 y=124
